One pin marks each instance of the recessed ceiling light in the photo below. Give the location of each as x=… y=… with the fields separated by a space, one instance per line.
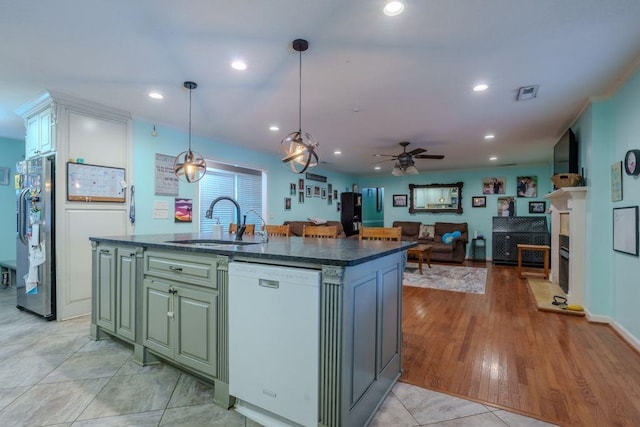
x=274 y=128
x=337 y=152
x=377 y=168
x=480 y=87
x=489 y=136
x=155 y=95
x=239 y=65
x=393 y=8
x=493 y=158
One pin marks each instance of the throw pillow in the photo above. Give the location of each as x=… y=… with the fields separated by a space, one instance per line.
x=426 y=231
x=448 y=238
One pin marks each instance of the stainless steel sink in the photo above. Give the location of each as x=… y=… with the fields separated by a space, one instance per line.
x=212 y=242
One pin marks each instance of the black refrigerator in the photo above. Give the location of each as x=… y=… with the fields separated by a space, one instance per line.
x=35 y=238
x=351 y=212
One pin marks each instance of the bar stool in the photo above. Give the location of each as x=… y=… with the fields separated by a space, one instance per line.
x=535 y=248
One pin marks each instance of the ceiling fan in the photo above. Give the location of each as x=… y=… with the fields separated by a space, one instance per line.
x=404 y=161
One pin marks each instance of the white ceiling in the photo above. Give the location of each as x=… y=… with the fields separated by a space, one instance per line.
x=409 y=77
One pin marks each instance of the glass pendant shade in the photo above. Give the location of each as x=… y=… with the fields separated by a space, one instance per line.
x=189 y=166
x=297 y=151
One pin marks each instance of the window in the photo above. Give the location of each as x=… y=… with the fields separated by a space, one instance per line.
x=244 y=185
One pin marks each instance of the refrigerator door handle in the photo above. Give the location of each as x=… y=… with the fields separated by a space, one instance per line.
x=22 y=223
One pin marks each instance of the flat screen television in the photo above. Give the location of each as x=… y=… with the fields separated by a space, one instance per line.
x=565 y=154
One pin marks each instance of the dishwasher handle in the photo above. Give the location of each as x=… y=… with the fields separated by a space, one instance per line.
x=265 y=283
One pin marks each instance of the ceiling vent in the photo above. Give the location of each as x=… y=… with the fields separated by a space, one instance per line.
x=527 y=92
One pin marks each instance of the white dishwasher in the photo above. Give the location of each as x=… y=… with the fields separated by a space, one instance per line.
x=274 y=330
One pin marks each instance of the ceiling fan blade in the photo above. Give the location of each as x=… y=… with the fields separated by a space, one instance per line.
x=416 y=151
x=429 y=156
x=384 y=155
x=385 y=160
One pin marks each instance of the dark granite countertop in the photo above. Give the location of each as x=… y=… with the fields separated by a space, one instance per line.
x=341 y=252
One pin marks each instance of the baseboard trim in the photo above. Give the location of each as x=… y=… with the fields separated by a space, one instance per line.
x=620 y=330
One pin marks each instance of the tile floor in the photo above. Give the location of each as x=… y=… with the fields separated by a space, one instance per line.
x=53 y=374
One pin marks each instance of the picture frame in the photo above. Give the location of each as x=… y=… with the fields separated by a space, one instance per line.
x=329 y=199
x=538 y=207
x=316 y=191
x=527 y=186
x=292 y=189
x=4 y=175
x=625 y=230
x=400 y=201
x=323 y=193
x=183 y=210
x=479 y=202
x=309 y=191
x=287 y=203
x=338 y=205
x=301 y=197
x=494 y=185
x=616 y=181
x=301 y=184
x=507 y=206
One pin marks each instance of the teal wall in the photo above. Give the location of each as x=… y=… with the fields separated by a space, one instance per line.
x=479 y=219
x=12 y=151
x=266 y=158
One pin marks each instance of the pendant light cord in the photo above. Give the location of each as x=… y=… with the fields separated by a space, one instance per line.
x=190 y=90
x=300 y=96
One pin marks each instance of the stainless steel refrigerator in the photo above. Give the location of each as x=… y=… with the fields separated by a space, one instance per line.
x=35 y=253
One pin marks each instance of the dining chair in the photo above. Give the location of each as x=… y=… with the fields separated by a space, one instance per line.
x=380 y=233
x=277 y=230
x=249 y=228
x=321 y=231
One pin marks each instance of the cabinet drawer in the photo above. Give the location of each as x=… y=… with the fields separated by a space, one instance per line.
x=197 y=270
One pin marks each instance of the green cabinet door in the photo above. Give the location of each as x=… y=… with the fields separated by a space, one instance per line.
x=157 y=318
x=126 y=293
x=106 y=288
x=196 y=324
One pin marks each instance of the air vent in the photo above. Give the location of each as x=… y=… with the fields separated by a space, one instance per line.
x=527 y=92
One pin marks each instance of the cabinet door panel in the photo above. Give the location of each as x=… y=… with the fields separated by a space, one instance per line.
x=106 y=288
x=157 y=324
x=196 y=324
x=126 y=294
x=46 y=142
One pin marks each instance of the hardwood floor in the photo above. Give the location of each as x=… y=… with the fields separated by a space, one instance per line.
x=498 y=349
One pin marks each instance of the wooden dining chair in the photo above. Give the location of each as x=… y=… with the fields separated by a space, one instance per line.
x=380 y=233
x=321 y=231
x=278 y=230
x=249 y=228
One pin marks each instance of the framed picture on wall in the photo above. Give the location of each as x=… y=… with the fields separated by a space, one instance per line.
x=301 y=184
x=292 y=189
x=479 y=202
x=300 y=196
x=537 y=207
x=4 y=176
x=287 y=203
x=323 y=193
x=399 y=200
x=625 y=230
x=527 y=186
x=309 y=191
x=494 y=186
x=506 y=206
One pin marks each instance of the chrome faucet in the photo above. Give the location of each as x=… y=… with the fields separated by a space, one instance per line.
x=264 y=236
x=241 y=225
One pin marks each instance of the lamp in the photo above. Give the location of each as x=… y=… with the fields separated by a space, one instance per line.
x=188 y=165
x=298 y=148
x=404 y=168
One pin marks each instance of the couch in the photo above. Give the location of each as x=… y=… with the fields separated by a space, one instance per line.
x=295 y=227
x=432 y=235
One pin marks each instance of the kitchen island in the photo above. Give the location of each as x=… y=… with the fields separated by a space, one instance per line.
x=168 y=296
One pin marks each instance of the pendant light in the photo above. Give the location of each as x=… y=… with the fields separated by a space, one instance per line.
x=298 y=148
x=189 y=166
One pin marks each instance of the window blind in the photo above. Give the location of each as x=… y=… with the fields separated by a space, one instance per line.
x=242 y=184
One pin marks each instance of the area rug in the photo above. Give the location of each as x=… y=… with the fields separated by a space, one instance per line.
x=447 y=278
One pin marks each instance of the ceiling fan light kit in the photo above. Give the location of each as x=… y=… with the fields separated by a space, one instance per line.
x=189 y=166
x=405 y=165
x=298 y=148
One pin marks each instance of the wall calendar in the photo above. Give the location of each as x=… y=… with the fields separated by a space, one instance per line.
x=92 y=183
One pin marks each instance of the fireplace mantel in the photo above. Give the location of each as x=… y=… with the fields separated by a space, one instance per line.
x=569 y=200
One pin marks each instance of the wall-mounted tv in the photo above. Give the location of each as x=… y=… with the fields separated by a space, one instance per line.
x=565 y=154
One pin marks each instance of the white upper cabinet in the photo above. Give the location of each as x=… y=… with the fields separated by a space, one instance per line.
x=40 y=137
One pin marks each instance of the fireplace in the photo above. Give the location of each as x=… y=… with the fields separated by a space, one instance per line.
x=563 y=263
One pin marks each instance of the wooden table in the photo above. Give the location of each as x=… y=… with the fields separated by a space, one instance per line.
x=422 y=253
x=540 y=248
